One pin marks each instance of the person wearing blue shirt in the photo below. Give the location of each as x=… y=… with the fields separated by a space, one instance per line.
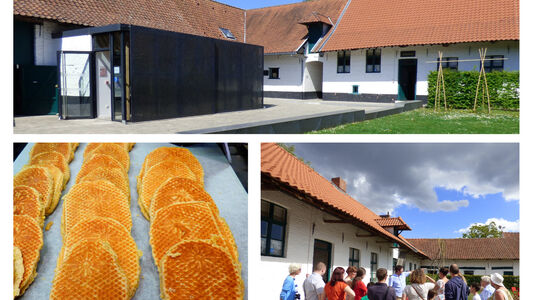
x=397 y=280
x=289 y=291
x=488 y=290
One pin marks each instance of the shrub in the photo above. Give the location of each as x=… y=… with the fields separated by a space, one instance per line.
x=504 y=89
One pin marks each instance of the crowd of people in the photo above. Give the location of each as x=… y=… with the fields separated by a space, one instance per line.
x=394 y=287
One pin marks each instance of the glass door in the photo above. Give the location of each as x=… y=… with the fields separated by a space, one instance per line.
x=76 y=99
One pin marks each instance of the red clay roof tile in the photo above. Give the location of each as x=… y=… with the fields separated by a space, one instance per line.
x=280 y=164
x=278 y=28
x=199 y=17
x=507 y=247
x=393 y=222
x=382 y=23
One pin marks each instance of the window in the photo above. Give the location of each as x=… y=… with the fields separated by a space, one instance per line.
x=343 y=62
x=410 y=266
x=266 y=72
x=354 y=257
x=449 y=63
x=373 y=266
x=508 y=273
x=273 y=223
x=355 y=89
x=394 y=263
x=273 y=73
x=468 y=272
x=227 y=33
x=407 y=53
x=373 y=61
x=493 y=65
x=415 y=266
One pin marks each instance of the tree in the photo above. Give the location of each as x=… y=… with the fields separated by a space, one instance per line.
x=484 y=231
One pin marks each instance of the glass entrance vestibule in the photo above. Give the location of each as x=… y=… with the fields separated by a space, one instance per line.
x=94 y=79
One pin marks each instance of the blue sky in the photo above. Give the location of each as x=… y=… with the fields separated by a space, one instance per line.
x=438 y=189
x=249 y=4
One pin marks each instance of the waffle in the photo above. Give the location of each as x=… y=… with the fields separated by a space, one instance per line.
x=181 y=275
x=182 y=221
x=27 y=201
x=39 y=178
x=94 y=199
x=53 y=158
x=179 y=190
x=156 y=176
x=64 y=148
x=90 y=270
x=18 y=270
x=114 y=175
x=119 y=152
x=28 y=237
x=91 y=146
x=118 y=237
x=58 y=188
x=96 y=161
x=172 y=153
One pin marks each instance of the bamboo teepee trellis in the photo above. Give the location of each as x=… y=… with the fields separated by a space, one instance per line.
x=484 y=84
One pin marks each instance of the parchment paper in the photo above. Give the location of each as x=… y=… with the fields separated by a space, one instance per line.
x=220 y=182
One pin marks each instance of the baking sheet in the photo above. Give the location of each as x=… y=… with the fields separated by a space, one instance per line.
x=220 y=182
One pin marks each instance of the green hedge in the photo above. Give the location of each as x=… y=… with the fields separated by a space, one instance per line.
x=461 y=89
x=508 y=280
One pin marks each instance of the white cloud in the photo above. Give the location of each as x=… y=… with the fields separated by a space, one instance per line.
x=386 y=176
x=508 y=226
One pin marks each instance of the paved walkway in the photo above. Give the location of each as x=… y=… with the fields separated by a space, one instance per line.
x=275 y=109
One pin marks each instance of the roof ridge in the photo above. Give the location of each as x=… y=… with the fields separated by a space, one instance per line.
x=225 y=4
x=288 y=4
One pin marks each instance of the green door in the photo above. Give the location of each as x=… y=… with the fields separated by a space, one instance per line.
x=407 y=79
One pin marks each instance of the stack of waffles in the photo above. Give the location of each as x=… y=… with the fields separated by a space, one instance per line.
x=36 y=192
x=99 y=258
x=187 y=234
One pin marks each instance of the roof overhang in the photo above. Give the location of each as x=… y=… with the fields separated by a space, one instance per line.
x=275 y=183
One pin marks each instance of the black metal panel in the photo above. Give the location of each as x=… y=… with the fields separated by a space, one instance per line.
x=175 y=75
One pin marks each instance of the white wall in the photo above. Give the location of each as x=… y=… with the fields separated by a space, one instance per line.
x=290 y=73
x=386 y=82
x=77 y=43
x=488 y=264
x=300 y=242
x=45 y=47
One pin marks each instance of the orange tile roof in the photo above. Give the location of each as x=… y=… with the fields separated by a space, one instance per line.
x=382 y=23
x=283 y=166
x=393 y=222
x=199 y=17
x=507 y=247
x=278 y=28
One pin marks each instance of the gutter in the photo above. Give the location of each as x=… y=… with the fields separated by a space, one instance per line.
x=336 y=25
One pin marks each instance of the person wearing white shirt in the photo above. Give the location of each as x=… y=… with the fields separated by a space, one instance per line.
x=474 y=289
x=314 y=284
x=397 y=281
x=488 y=290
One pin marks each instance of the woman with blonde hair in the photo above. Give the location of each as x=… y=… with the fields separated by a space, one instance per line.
x=419 y=288
x=352 y=271
x=288 y=291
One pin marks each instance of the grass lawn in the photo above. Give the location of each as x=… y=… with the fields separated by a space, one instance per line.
x=425 y=121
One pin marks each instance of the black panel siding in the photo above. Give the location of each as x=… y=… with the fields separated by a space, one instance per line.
x=176 y=75
x=380 y=98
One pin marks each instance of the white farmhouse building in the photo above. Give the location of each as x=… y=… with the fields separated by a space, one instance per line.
x=474 y=256
x=306 y=218
x=380 y=50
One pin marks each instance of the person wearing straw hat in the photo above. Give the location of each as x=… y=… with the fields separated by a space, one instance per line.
x=500 y=292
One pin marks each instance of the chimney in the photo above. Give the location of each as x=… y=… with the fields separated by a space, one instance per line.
x=340 y=183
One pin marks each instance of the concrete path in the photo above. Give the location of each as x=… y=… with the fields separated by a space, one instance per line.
x=276 y=111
